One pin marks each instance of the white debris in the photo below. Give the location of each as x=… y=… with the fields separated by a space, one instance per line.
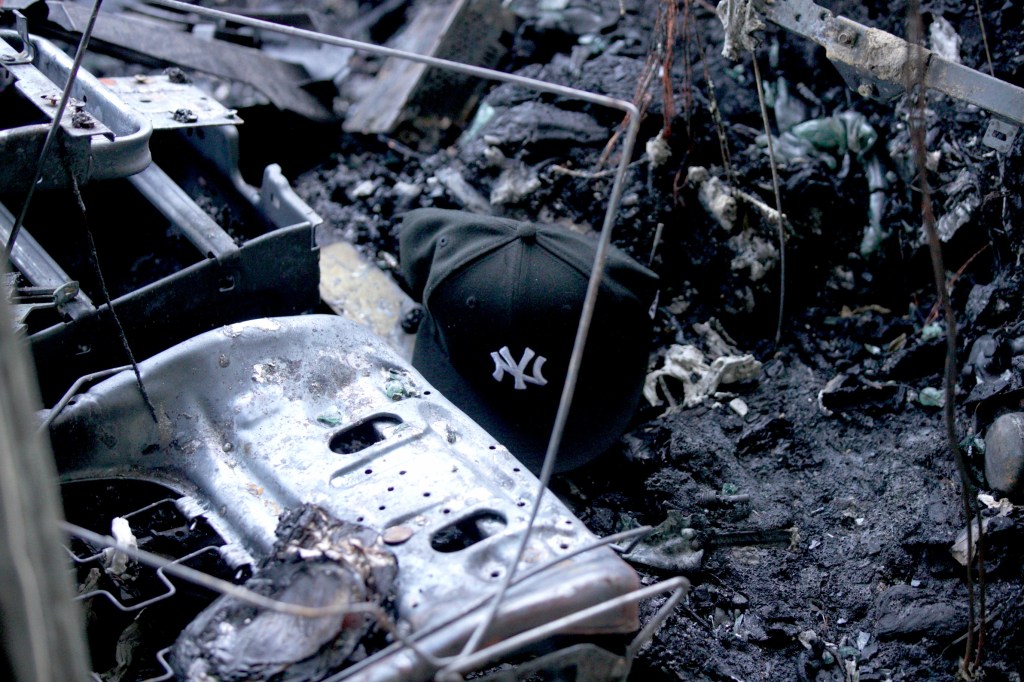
x=833 y=383
x=753 y=252
x=959 y=547
x=807 y=638
x=1002 y=505
x=658 y=151
x=755 y=247
x=944 y=39
x=264 y=372
x=739 y=407
x=516 y=182
x=364 y=189
x=699 y=378
x=494 y=157
x=462 y=191
x=117 y=562
x=715 y=196
x=716 y=339
x=262 y=324
x=957 y=216
x=407 y=190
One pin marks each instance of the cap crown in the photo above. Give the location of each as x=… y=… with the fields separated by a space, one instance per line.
x=503 y=301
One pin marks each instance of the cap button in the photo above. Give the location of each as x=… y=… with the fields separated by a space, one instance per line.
x=527 y=232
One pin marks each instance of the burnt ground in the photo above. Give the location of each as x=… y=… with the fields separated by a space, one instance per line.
x=861 y=477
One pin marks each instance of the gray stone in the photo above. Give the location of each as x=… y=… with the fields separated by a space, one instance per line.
x=1004 y=454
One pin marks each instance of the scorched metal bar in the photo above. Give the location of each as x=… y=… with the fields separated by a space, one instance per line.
x=178 y=207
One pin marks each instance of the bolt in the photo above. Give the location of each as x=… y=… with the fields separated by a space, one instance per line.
x=80 y=119
x=65 y=292
x=866 y=89
x=846 y=38
x=185 y=115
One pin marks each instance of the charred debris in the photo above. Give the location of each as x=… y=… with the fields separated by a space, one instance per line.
x=199 y=207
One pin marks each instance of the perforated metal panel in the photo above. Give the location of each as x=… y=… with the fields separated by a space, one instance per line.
x=258 y=417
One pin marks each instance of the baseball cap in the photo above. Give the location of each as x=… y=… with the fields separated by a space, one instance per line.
x=503 y=300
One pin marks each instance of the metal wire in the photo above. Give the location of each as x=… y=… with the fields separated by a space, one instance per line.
x=51 y=134
x=161 y=658
x=780 y=221
x=243 y=594
x=597 y=272
x=73 y=391
x=633 y=534
x=467 y=663
x=654 y=623
x=177 y=569
x=160 y=574
x=94 y=256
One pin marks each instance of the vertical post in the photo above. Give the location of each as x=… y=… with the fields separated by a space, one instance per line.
x=42 y=635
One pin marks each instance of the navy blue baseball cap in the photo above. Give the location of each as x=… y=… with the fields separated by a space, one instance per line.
x=503 y=300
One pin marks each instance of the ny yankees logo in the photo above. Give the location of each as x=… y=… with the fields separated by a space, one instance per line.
x=503 y=362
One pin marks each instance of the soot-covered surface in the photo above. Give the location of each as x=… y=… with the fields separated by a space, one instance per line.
x=839 y=445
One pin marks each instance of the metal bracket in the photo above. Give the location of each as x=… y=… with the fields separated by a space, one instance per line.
x=999 y=135
x=25 y=301
x=55 y=296
x=104 y=138
x=28 y=52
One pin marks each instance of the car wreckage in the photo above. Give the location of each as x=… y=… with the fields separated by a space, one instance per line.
x=365 y=522
x=354 y=523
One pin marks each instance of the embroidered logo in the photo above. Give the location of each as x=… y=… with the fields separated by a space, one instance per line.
x=503 y=362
